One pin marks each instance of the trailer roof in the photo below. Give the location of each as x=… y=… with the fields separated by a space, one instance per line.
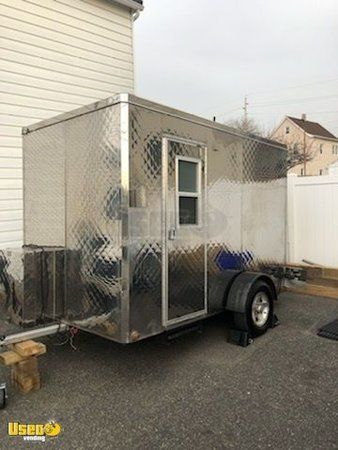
x=150 y=105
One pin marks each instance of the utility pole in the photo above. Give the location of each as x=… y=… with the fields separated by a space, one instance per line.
x=304 y=153
x=245 y=109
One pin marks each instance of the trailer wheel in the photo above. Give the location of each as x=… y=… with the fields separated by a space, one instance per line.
x=258 y=313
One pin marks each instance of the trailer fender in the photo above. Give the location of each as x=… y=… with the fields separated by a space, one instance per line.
x=238 y=293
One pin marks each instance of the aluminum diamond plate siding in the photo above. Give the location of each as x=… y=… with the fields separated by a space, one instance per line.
x=93 y=222
x=246 y=202
x=72 y=200
x=113 y=223
x=45 y=187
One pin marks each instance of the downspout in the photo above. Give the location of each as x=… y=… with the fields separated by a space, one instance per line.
x=136 y=15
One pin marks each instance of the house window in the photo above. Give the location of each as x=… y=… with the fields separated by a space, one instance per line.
x=287 y=130
x=335 y=149
x=188 y=190
x=321 y=149
x=301 y=172
x=320 y=172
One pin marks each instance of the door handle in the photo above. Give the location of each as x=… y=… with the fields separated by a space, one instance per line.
x=172 y=234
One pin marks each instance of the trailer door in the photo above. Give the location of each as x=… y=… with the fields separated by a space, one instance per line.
x=184 y=268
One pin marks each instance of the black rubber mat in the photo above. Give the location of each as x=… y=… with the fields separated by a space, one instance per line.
x=329 y=331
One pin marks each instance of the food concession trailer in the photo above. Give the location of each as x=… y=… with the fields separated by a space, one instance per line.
x=139 y=219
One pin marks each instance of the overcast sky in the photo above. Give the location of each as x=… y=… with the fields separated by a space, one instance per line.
x=205 y=56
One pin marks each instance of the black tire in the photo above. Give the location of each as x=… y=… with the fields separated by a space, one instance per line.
x=2 y=398
x=244 y=321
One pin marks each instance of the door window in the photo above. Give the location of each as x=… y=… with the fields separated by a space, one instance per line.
x=188 y=190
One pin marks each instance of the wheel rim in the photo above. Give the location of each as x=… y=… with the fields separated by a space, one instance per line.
x=260 y=309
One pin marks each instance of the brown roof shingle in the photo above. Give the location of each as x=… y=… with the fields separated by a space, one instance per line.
x=313 y=128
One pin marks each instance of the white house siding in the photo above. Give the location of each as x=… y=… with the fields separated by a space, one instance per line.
x=55 y=55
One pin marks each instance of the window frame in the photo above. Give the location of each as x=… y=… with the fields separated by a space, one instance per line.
x=197 y=194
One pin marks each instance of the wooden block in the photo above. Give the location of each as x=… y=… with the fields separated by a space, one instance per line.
x=29 y=348
x=25 y=383
x=24 y=380
x=13 y=376
x=313 y=272
x=25 y=389
x=316 y=291
x=325 y=281
x=23 y=358
x=330 y=272
x=37 y=385
x=27 y=367
x=10 y=357
x=31 y=384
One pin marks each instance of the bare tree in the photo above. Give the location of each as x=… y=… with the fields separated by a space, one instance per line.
x=298 y=152
x=246 y=125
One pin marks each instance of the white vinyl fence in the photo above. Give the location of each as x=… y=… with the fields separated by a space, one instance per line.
x=313 y=219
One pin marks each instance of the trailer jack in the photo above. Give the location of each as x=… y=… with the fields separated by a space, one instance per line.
x=3 y=395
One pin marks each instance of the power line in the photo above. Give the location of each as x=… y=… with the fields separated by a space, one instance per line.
x=229 y=112
x=297 y=86
x=262 y=93
x=290 y=101
x=281 y=103
x=332 y=121
x=264 y=113
x=322 y=112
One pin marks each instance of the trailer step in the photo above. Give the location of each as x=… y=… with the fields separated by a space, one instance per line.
x=329 y=331
x=177 y=333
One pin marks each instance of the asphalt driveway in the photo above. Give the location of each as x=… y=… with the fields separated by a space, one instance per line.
x=198 y=392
